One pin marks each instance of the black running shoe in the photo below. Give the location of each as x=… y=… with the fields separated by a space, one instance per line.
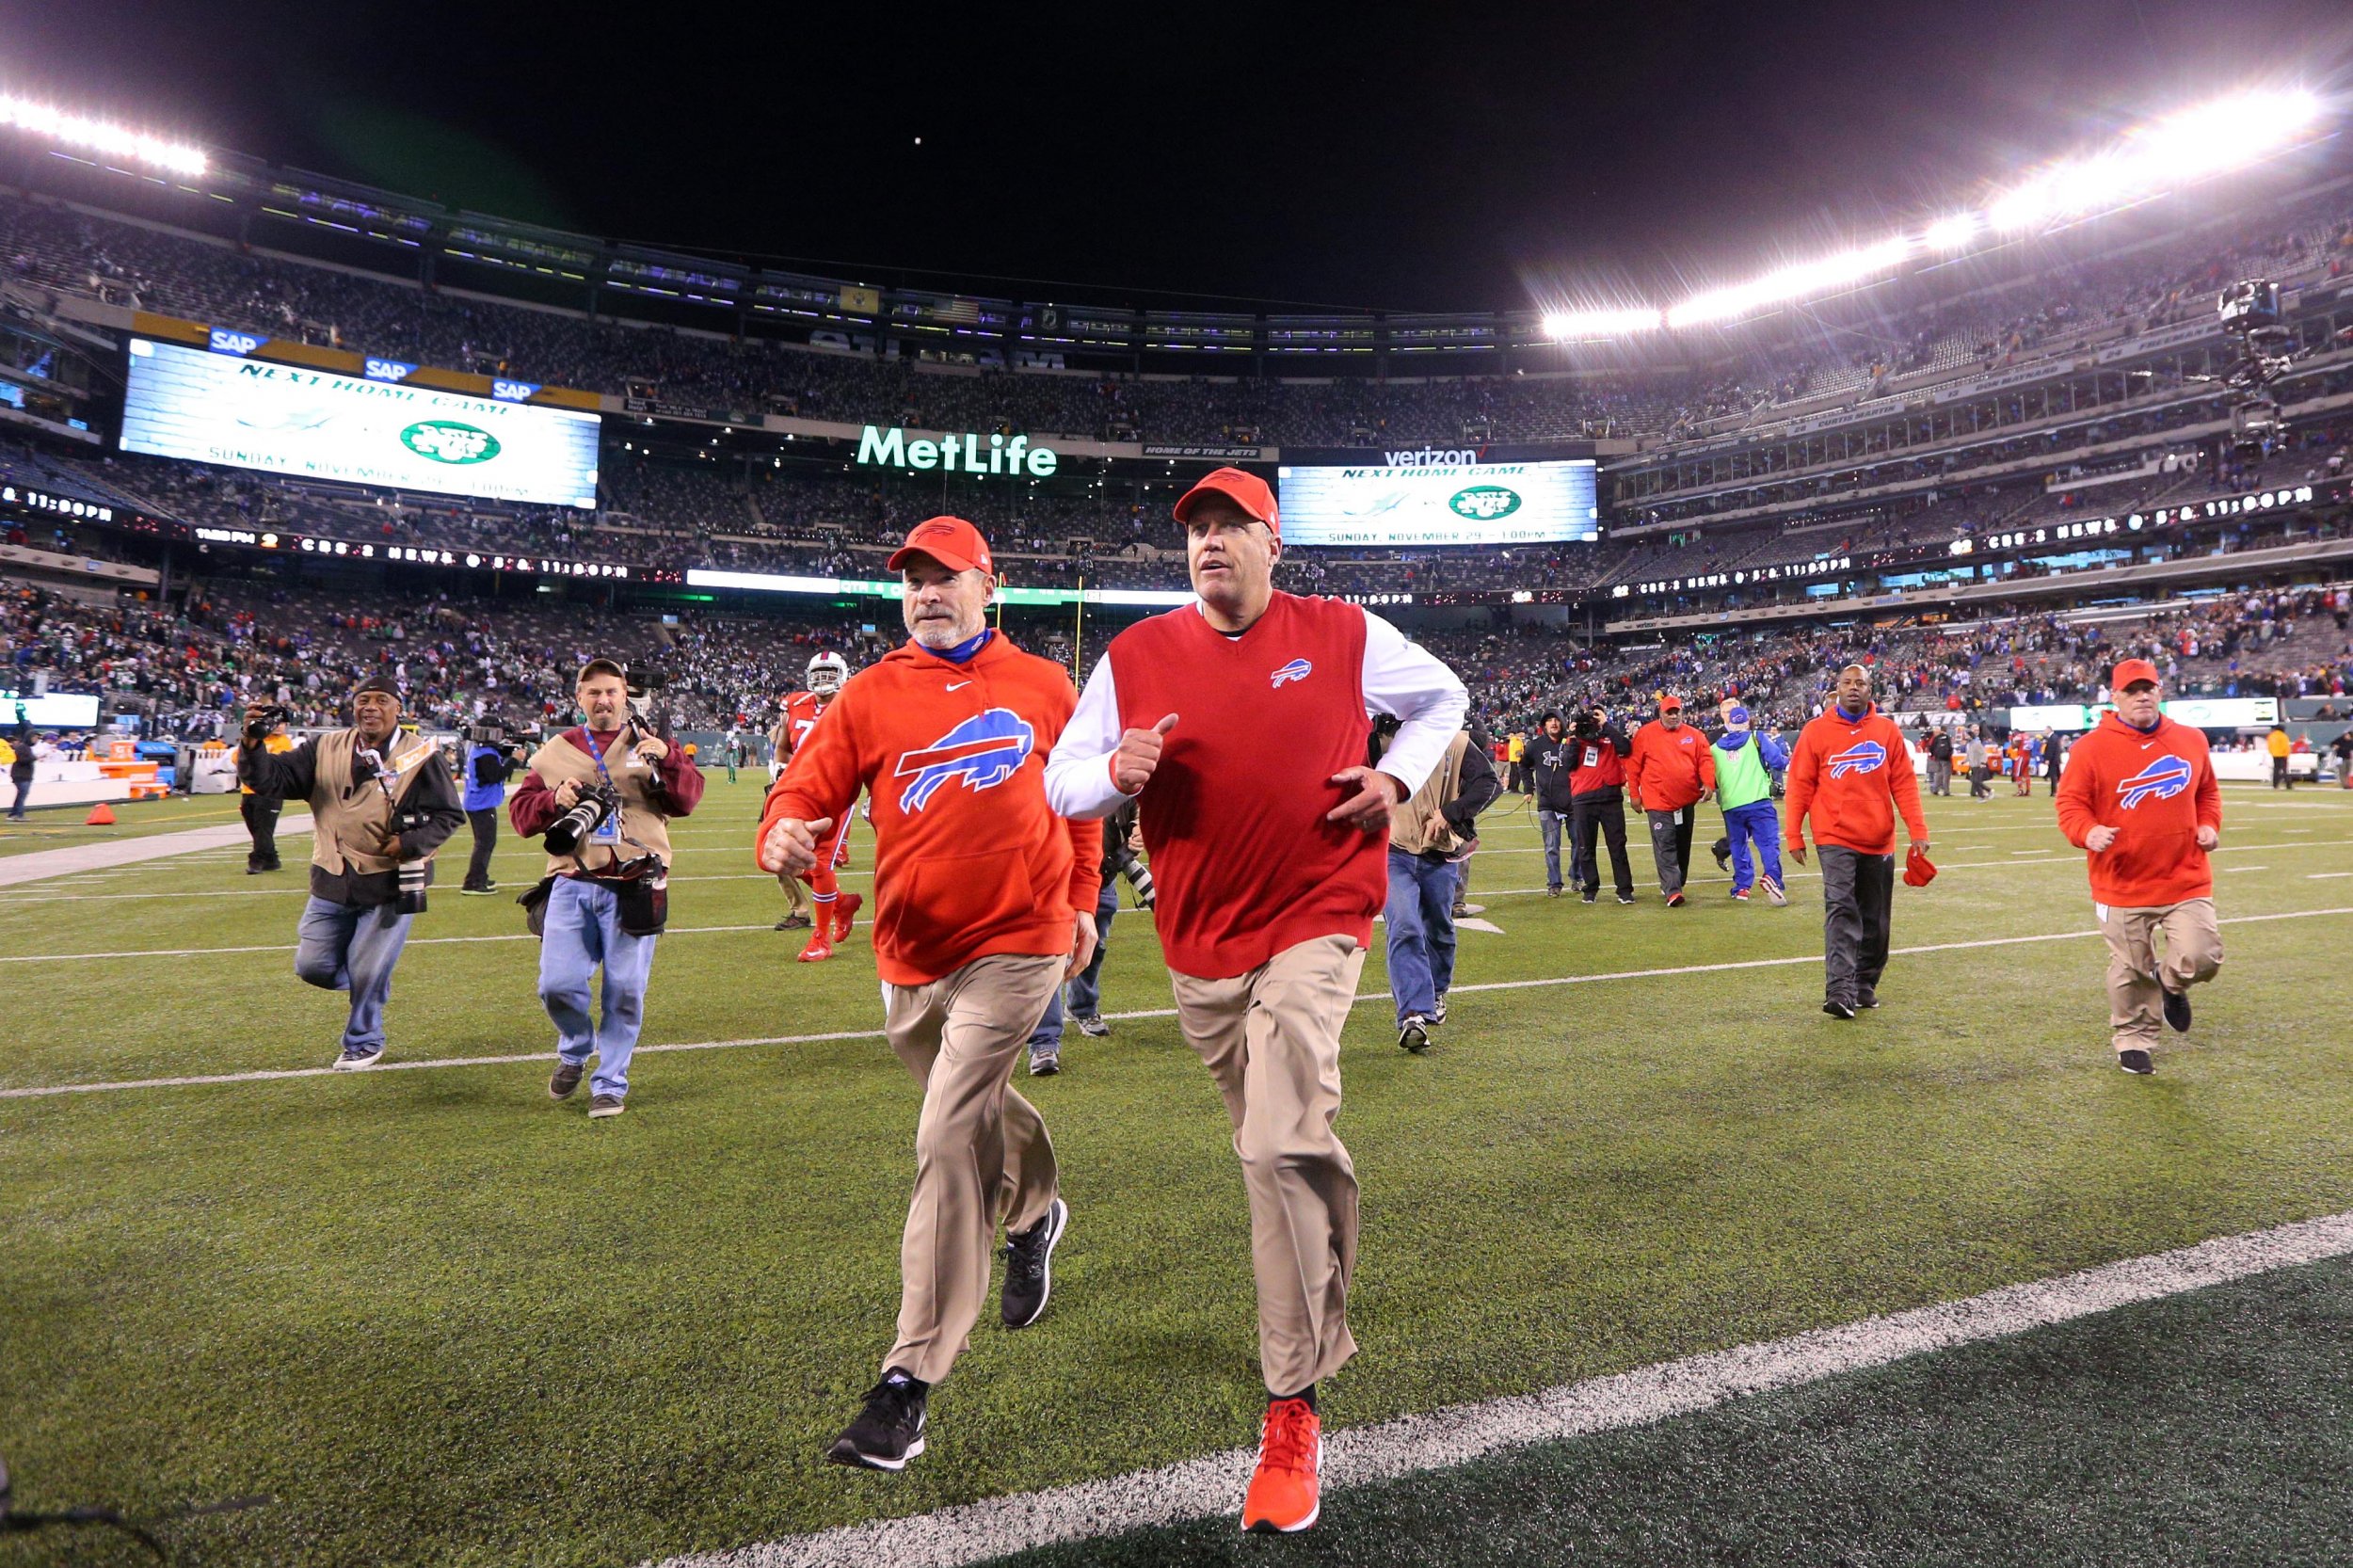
x=1030 y=1267
x=2136 y=1061
x=1867 y=998
x=1590 y=895
x=1625 y=898
x=2176 y=1011
x=1839 y=1009
x=889 y=1431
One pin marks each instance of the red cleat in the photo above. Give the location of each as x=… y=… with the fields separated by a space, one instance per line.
x=1283 y=1496
x=845 y=910
x=820 y=947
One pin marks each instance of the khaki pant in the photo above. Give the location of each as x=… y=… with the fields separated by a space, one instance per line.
x=2193 y=952
x=796 y=900
x=980 y=1150
x=1271 y=1039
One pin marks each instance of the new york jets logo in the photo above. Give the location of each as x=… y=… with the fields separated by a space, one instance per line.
x=1862 y=756
x=2162 y=780
x=448 y=441
x=1483 y=503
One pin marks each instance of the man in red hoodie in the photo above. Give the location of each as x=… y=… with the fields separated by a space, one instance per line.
x=2139 y=795
x=983 y=904
x=1852 y=773
x=1670 y=767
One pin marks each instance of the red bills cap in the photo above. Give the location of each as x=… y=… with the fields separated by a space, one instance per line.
x=1246 y=491
x=1670 y=704
x=951 y=541
x=2129 y=670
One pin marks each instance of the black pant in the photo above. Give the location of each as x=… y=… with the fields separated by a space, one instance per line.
x=2280 y=774
x=485 y=823
x=261 y=824
x=1858 y=893
x=1671 y=845
x=1603 y=810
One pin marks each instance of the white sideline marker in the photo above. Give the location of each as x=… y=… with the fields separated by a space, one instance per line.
x=1212 y=1485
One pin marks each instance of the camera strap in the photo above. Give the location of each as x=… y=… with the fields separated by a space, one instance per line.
x=619 y=830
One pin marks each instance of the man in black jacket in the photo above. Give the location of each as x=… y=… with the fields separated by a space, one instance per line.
x=381 y=802
x=1597 y=753
x=1551 y=757
x=1940 y=761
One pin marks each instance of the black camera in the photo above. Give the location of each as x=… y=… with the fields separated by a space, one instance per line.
x=597 y=802
x=267 y=718
x=1587 y=724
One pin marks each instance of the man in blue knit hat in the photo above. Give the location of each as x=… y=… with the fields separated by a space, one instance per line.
x=1745 y=764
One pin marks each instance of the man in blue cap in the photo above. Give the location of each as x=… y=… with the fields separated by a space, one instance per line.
x=1745 y=764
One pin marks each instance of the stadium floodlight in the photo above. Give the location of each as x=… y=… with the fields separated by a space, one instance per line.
x=1951 y=233
x=1561 y=326
x=2158 y=157
x=97 y=136
x=1791 y=283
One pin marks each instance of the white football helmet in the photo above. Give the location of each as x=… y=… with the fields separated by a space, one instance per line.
x=827 y=672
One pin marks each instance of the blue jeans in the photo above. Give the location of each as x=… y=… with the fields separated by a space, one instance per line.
x=23 y=790
x=1759 y=823
x=1420 y=918
x=1086 y=987
x=353 y=946
x=1552 y=823
x=583 y=929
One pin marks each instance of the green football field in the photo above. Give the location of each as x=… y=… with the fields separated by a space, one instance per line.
x=439 y=1319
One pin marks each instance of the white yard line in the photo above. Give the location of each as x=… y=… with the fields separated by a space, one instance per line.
x=49 y=1090
x=1212 y=1484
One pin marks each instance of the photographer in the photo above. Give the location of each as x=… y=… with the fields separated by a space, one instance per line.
x=603 y=795
x=381 y=803
x=21 y=763
x=261 y=811
x=488 y=764
x=1597 y=806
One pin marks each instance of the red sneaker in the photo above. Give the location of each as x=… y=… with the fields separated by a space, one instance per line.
x=820 y=947
x=1283 y=1495
x=845 y=910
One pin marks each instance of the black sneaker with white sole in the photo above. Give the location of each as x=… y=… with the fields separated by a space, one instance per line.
x=889 y=1431
x=1837 y=1009
x=2176 y=1011
x=565 y=1079
x=1093 y=1028
x=1437 y=1014
x=601 y=1106
x=1590 y=895
x=1030 y=1267
x=1413 y=1033
x=1625 y=898
x=356 y=1057
x=2136 y=1061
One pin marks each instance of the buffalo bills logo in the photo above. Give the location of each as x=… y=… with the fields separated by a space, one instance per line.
x=2162 y=780
x=1862 y=756
x=983 y=751
x=1297 y=669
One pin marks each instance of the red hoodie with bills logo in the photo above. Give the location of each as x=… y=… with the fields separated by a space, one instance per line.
x=2157 y=787
x=1852 y=776
x=968 y=859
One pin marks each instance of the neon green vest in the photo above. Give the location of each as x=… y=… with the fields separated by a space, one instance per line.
x=1740 y=776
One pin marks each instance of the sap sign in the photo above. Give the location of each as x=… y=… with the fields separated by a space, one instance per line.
x=965 y=454
x=386 y=370
x=240 y=344
x=513 y=392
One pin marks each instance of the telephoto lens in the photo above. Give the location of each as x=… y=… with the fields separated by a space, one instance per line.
x=412 y=900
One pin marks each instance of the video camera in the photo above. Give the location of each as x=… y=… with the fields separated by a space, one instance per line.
x=1586 y=724
x=262 y=720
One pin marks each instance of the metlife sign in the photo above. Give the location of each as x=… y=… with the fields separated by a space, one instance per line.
x=955 y=454
x=222 y=408
x=1423 y=501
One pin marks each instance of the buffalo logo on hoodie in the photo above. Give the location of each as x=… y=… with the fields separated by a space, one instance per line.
x=2162 y=780
x=1862 y=756
x=983 y=750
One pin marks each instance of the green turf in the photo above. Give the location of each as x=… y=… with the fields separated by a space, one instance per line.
x=62 y=827
x=445 y=1320
x=2211 y=1428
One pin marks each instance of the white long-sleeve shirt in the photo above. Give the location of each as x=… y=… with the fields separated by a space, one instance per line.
x=1400 y=679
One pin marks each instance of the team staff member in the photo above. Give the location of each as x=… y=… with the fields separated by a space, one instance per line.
x=2139 y=795
x=608 y=900
x=489 y=766
x=261 y=812
x=1745 y=762
x=1670 y=768
x=2280 y=747
x=1597 y=805
x=1269 y=864
x=381 y=802
x=984 y=903
x=1851 y=772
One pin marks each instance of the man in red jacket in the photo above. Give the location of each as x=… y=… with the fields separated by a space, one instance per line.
x=1852 y=773
x=983 y=904
x=2139 y=796
x=1670 y=768
x=1239 y=724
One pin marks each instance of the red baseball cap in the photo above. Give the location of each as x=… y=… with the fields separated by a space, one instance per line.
x=2129 y=670
x=1246 y=491
x=1670 y=703
x=951 y=541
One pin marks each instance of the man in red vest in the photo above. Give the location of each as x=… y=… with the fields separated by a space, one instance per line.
x=984 y=906
x=1238 y=723
x=2139 y=795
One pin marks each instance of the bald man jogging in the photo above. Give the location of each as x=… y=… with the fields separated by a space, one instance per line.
x=983 y=904
x=1239 y=724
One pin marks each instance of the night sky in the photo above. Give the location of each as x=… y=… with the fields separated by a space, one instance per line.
x=1355 y=156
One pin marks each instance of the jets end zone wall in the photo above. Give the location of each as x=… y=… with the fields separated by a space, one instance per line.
x=209 y=407
x=1447 y=503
